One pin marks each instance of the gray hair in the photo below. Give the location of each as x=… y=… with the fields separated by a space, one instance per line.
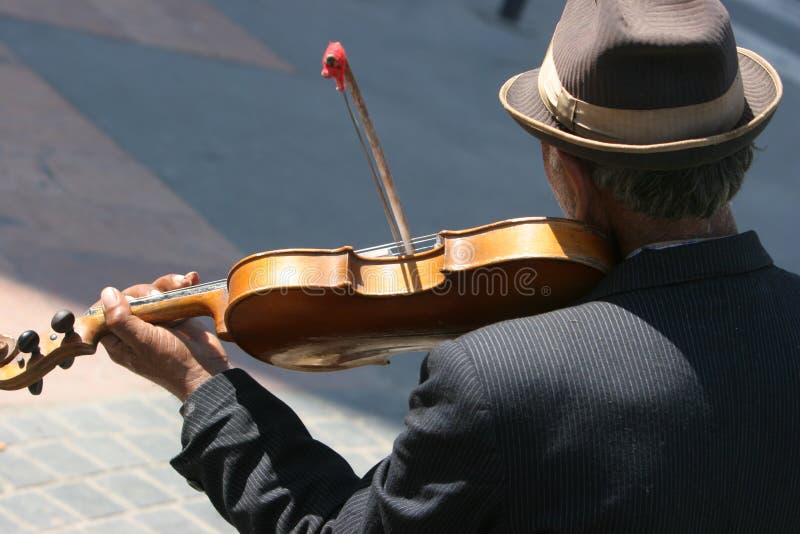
x=697 y=192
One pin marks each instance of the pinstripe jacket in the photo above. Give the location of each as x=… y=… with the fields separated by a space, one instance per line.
x=668 y=402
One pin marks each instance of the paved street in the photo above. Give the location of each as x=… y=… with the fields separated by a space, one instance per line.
x=139 y=137
x=102 y=466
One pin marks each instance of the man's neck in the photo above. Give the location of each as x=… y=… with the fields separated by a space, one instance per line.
x=633 y=230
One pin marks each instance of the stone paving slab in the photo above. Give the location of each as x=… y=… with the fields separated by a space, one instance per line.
x=145 y=114
x=65 y=478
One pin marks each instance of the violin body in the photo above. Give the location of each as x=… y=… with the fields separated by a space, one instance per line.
x=324 y=310
x=342 y=309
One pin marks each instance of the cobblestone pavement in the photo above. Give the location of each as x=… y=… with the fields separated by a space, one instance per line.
x=89 y=467
x=141 y=137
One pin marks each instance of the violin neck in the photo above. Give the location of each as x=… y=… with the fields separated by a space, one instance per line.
x=202 y=302
x=207 y=300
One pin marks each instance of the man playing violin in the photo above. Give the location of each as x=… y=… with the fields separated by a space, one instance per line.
x=667 y=401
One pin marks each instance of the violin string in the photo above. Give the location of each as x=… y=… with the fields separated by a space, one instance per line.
x=393 y=228
x=165 y=295
x=398 y=244
x=217 y=284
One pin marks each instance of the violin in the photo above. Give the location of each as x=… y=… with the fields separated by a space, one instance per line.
x=332 y=309
x=323 y=310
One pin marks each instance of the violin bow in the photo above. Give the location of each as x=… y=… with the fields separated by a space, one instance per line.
x=335 y=65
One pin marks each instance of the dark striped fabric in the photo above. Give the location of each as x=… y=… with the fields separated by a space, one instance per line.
x=668 y=402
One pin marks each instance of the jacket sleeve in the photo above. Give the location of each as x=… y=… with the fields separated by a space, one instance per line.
x=264 y=473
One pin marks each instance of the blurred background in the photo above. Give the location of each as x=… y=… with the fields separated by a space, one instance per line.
x=140 y=137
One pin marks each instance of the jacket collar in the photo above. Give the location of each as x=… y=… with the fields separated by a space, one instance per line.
x=712 y=258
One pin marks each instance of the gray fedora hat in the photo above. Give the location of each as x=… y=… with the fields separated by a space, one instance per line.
x=648 y=84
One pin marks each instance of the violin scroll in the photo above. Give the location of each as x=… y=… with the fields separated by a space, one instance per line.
x=67 y=339
x=70 y=336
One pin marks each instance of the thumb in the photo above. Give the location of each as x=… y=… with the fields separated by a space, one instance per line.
x=122 y=323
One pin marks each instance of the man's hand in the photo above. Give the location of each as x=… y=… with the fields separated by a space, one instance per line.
x=179 y=358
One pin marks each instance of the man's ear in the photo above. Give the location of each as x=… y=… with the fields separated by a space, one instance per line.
x=578 y=175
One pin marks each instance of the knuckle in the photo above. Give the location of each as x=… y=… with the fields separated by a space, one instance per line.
x=168 y=281
x=116 y=355
x=114 y=317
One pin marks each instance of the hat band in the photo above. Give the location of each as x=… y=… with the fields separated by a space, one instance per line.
x=639 y=127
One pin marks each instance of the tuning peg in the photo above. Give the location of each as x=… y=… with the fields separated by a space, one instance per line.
x=66 y=364
x=63 y=322
x=28 y=343
x=36 y=387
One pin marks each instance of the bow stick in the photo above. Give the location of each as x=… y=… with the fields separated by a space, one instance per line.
x=335 y=65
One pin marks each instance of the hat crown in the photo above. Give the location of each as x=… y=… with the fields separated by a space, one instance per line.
x=645 y=54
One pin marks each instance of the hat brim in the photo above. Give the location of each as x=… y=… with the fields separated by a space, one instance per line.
x=762 y=90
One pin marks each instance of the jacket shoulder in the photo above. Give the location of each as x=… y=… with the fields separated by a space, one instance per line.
x=594 y=353
x=585 y=328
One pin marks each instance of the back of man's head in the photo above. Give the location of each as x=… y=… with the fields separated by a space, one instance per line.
x=696 y=192
x=655 y=96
